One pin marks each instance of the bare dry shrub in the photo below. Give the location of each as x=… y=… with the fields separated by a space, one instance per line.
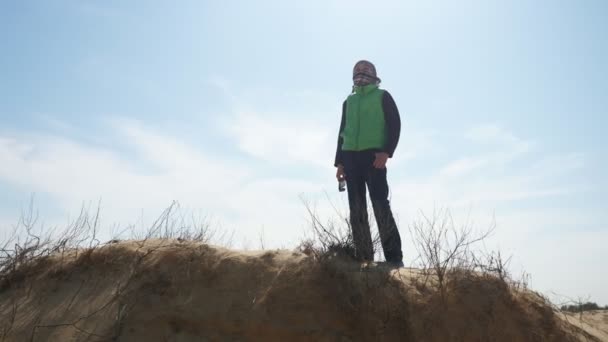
x=329 y=238
x=444 y=247
x=29 y=245
x=333 y=237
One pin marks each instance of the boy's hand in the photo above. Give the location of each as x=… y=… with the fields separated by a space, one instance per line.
x=340 y=175
x=381 y=158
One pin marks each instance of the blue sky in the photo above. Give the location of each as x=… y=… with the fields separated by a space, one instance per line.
x=232 y=108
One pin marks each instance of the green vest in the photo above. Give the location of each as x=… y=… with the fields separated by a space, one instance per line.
x=364 y=127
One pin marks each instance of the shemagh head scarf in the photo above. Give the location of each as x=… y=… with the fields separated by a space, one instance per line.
x=364 y=73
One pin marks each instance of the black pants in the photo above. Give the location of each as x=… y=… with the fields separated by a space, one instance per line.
x=359 y=170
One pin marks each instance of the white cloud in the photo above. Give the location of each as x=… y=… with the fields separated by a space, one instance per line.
x=489 y=133
x=493 y=134
x=488 y=178
x=298 y=129
x=463 y=166
x=284 y=139
x=415 y=142
x=504 y=149
x=71 y=172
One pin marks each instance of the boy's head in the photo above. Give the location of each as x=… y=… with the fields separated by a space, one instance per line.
x=364 y=73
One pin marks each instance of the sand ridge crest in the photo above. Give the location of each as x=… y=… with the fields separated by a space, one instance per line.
x=171 y=290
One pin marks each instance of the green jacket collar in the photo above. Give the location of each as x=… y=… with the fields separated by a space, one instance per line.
x=366 y=89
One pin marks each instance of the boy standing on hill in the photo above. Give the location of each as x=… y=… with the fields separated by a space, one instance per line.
x=369 y=133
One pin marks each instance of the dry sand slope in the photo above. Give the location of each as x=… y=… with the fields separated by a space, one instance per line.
x=172 y=291
x=595 y=323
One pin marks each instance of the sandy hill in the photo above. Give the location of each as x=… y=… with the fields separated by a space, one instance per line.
x=166 y=290
x=594 y=323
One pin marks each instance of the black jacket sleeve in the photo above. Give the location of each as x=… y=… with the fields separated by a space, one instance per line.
x=393 y=123
x=338 y=159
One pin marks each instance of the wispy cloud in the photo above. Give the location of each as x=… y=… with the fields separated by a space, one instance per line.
x=162 y=169
x=283 y=139
x=463 y=166
x=508 y=169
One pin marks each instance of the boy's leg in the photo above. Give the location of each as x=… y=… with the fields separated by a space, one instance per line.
x=357 y=202
x=387 y=227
